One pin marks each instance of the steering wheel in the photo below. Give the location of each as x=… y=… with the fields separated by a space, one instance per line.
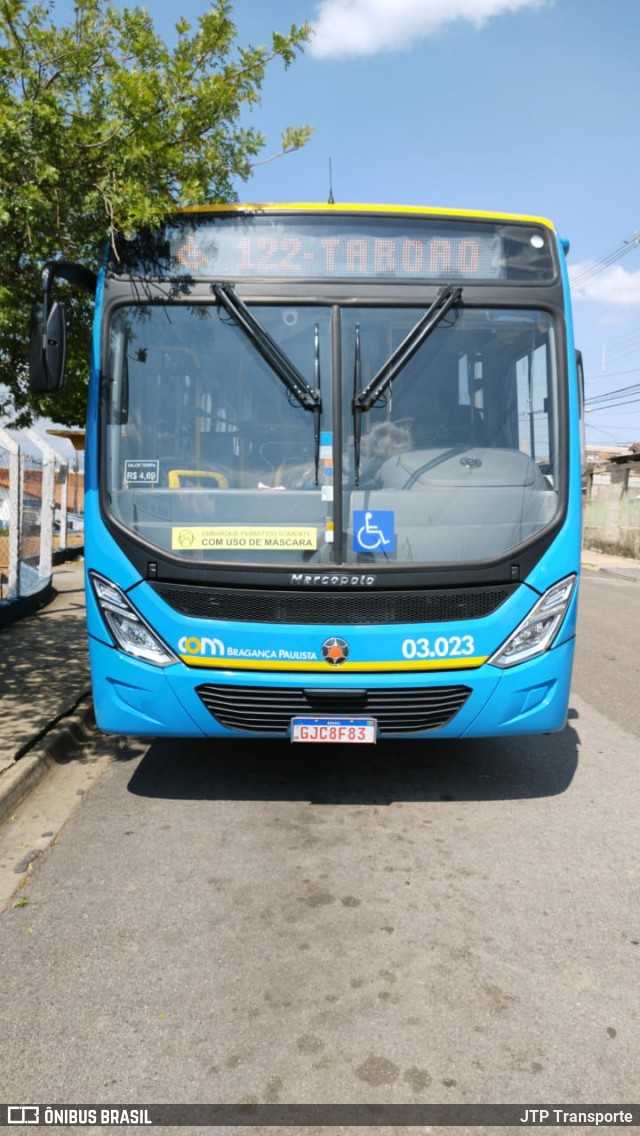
x=431 y=464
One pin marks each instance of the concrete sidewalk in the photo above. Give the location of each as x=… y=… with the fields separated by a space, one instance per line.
x=45 y=694
x=613 y=565
x=45 y=700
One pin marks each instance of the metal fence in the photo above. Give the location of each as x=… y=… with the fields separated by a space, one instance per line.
x=41 y=515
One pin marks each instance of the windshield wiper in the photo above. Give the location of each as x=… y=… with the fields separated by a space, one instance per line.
x=309 y=398
x=364 y=399
x=446 y=299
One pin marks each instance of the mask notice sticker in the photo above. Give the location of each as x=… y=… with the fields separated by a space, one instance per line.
x=244 y=538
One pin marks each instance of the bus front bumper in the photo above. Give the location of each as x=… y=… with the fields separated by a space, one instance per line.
x=132 y=697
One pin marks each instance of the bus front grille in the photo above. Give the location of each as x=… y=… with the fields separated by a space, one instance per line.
x=267 y=709
x=256 y=605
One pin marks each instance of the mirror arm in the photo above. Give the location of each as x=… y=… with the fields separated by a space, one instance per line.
x=74 y=273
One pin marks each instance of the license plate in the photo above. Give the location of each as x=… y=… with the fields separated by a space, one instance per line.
x=355 y=731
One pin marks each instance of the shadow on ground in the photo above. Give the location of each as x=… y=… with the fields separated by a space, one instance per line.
x=484 y=769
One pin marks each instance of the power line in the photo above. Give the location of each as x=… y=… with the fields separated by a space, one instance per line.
x=607 y=260
x=606 y=433
x=600 y=401
x=619 y=354
x=619 y=347
x=612 y=374
x=633 y=389
x=612 y=406
x=632 y=333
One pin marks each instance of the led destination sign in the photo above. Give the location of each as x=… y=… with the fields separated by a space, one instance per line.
x=327 y=254
x=347 y=247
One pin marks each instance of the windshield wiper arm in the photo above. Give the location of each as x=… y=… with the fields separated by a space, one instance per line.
x=272 y=354
x=389 y=371
x=309 y=398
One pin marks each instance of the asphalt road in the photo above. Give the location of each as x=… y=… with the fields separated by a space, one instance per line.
x=438 y=922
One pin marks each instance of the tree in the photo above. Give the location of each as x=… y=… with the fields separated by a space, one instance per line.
x=105 y=128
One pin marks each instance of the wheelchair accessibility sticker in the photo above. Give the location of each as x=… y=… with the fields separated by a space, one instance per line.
x=373 y=531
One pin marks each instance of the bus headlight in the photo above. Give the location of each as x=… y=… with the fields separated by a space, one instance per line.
x=536 y=633
x=128 y=629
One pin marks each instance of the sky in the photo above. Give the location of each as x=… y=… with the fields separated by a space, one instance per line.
x=522 y=106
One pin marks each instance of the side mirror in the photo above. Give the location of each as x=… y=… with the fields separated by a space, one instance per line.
x=47 y=349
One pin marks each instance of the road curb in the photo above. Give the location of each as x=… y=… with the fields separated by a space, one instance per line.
x=620 y=572
x=57 y=743
x=13 y=610
x=630 y=573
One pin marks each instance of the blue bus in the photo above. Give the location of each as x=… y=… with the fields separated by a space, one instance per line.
x=333 y=473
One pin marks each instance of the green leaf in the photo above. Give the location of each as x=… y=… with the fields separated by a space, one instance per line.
x=105 y=127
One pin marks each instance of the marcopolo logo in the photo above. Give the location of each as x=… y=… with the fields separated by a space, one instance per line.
x=196 y=645
x=334 y=580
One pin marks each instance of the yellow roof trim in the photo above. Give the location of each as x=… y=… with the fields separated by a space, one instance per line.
x=352 y=207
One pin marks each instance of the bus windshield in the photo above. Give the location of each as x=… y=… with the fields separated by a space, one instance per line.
x=212 y=457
